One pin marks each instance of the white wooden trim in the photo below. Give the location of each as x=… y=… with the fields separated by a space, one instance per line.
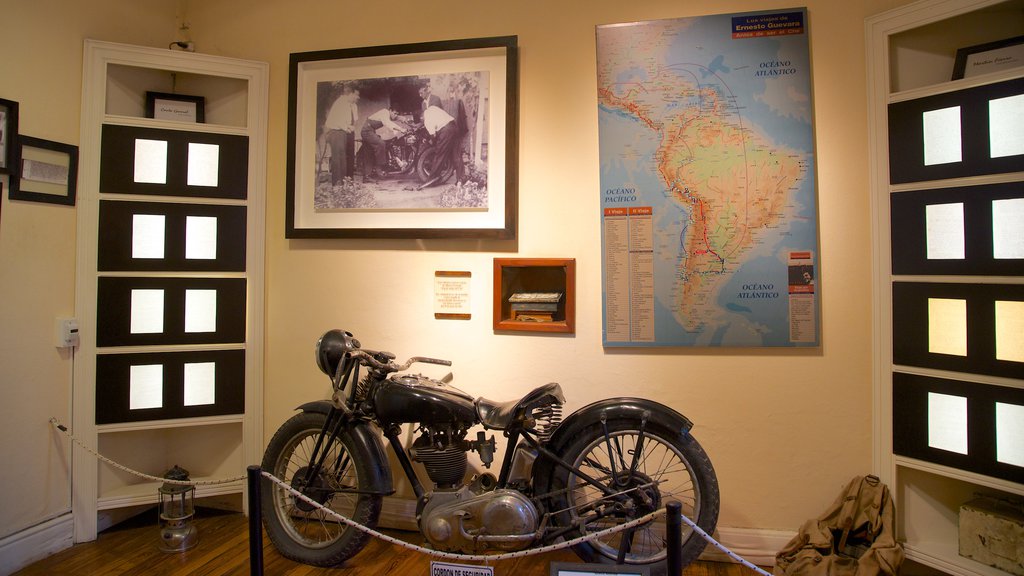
x=932 y=545
x=98 y=57
x=753 y=545
x=33 y=544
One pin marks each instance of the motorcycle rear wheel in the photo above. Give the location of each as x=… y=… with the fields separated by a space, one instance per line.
x=431 y=167
x=298 y=530
x=669 y=467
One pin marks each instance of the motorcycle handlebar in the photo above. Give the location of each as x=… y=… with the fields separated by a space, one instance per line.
x=425 y=360
x=370 y=357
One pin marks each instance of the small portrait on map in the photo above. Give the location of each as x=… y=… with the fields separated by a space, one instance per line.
x=801 y=275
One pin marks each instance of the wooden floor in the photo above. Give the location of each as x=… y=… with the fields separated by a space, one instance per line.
x=131 y=549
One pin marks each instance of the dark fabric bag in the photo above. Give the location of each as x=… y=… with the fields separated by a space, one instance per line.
x=854 y=537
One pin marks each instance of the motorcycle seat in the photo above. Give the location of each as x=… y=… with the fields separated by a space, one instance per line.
x=501 y=415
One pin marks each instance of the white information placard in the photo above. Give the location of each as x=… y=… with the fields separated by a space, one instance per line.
x=945 y=231
x=942 y=143
x=947 y=326
x=447 y=569
x=947 y=422
x=452 y=295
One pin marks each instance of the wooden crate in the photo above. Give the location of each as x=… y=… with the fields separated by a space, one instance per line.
x=992 y=533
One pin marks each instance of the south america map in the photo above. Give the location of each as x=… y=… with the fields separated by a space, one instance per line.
x=708 y=188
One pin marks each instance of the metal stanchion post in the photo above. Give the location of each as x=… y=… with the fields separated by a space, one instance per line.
x=255 y=522
x=674 y=535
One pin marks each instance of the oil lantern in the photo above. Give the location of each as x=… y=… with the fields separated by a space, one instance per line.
x=177 y=508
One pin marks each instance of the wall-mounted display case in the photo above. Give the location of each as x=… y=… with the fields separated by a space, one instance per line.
x=535 y=294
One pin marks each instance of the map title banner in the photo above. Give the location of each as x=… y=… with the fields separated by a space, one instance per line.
x=759 y=25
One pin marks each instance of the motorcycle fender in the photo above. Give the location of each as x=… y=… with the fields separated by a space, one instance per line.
x=367 y=445
x=612 y=408
x=616 y=408
x=319 y=406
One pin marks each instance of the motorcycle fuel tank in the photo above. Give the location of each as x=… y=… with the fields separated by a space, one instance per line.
x=407 y=398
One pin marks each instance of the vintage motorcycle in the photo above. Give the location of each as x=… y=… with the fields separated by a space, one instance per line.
x=605 y=464
x=410 y=153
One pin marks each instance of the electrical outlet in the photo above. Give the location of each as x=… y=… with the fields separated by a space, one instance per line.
x=66 y=333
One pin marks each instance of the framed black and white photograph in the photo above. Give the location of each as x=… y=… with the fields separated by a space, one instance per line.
x=176 y=107
x=48 y=172
x=989 y=57
x=8 y=135
x=404 y=141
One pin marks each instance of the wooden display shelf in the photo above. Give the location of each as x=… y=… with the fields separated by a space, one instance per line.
x=535 y=275
x=145 y=493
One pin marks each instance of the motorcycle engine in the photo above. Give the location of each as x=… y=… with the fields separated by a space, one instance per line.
x=443 y=455
x=472 y=519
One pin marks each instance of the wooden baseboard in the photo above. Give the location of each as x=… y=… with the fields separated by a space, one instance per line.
x=31 y=544
x=753 y=545
x=398 y=514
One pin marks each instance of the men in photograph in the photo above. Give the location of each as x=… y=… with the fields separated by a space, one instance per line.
x=428 y=99
x=375 y=157
x=339 y=130
x=453 y=105
x=442 y=126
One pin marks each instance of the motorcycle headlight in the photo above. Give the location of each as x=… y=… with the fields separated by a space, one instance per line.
x=331 y=348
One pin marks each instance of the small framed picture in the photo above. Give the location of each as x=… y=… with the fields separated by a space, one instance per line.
x=176 y=107
x=48 y=172
x=8 y=135
x=990 y=57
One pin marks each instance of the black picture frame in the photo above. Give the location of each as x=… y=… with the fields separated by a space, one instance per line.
x=47 y=172
x=175 y=107
x=964 y=55
x=331 y=198
x=8 y=136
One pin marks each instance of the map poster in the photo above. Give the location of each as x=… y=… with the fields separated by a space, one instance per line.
x=709 y=223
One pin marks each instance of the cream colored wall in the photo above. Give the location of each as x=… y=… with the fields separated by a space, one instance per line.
x=784 y=428
x=41 y=69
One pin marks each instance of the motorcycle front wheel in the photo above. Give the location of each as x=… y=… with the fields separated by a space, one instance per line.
x=299 y=530
x=639 y=473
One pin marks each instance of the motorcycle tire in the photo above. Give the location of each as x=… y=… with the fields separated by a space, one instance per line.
x=427 y=169
x=304 y=533
x=670 y=467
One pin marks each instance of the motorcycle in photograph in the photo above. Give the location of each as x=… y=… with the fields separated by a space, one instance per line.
x=403 y=150
x=411 y=153
x=606 y=464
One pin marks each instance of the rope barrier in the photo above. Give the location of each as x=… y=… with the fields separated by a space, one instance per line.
x=523 y=553
x=56 y=423
x=486 y=558
x=466 y=557
x=700 y=532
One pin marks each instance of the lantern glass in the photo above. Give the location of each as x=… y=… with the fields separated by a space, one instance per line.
x=177 y=508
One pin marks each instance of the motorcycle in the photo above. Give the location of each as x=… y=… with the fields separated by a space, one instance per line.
x=403 y=150
x=606 y=464
x=409 y=153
